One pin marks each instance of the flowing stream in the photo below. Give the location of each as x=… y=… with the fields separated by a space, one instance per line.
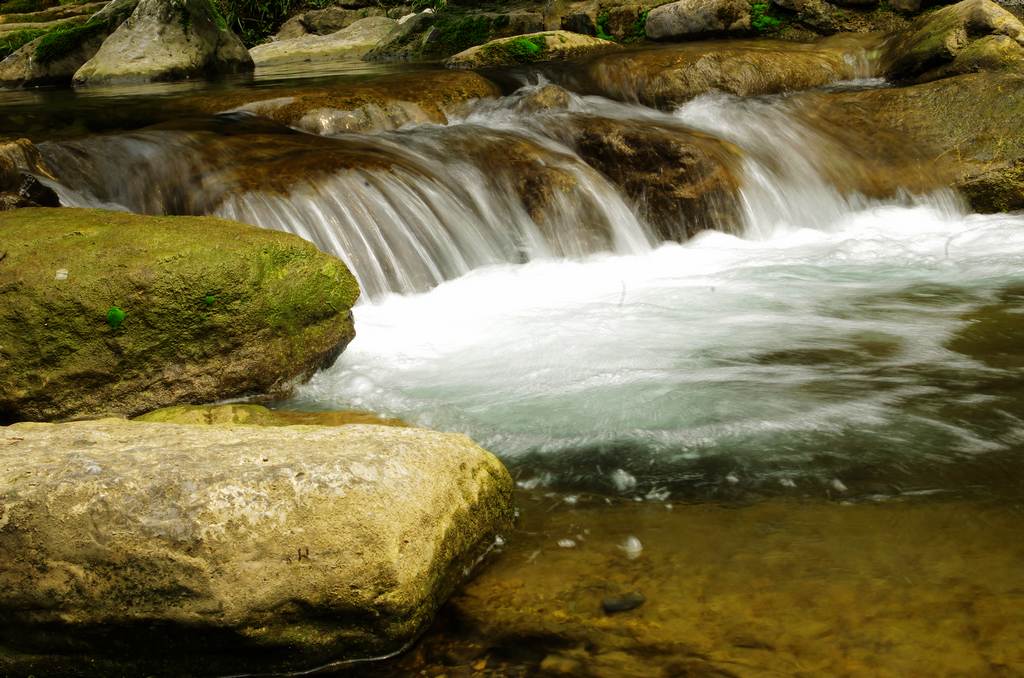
x=830 y=345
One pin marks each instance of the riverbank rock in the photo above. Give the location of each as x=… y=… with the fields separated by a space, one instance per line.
x=526 y=49
x=115 y=313
x=668 y=76
x=132 y=549
x=21 y=165
x=324 y=21
x=962 y=132
x=54 y=57
x=946 y=42
x=351 y=42
x=688 y=18
x=438 y=35
x=167 y=40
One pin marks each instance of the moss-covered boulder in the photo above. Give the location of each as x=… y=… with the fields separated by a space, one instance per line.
x=167 y=40
x=527 y=49
x=107 y=312
x=694 y=18
x=930 y=46
x=131 y=548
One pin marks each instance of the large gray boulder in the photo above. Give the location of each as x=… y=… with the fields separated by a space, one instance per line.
x=130 y=548
x=115 y=313
x=167 y=40
x=690 y=18
x=351 y=42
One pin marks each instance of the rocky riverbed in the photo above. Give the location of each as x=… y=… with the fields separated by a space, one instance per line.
x=290 y=304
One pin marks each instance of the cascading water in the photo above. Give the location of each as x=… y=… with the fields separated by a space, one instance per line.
x=826 y=345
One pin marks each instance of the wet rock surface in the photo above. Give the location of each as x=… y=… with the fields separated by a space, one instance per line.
x=352 y=41
x=169 y=549
x=530 y=48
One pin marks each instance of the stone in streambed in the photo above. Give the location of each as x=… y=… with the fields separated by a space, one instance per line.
x=280 y=310
x=532 y=48
x=667 y=76
x=167 y=40
x=131 y=548
x=352 y=42
x=21 y=165
x=623 y=603
x=688 y=18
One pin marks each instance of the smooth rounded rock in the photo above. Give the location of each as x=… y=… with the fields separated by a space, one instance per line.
x=130 y=548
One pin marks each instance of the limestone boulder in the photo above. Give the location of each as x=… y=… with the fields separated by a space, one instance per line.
x=351 y=42
x=692 y=18
x=167 y=40
x=131 y=548
x=115 y=313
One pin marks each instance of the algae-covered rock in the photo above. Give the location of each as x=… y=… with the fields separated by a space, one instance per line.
x=167 y=40
x=526 y=49
x=258 y=415
x=351 y=42
x=206 y=309
x=936 y=39
x=130 y=548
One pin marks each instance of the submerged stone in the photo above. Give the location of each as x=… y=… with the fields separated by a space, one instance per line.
x=133 y=548
x=283 y=312
x=623 y=603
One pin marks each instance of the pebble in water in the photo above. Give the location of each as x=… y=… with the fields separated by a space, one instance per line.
x=623 y=603
x=623 y=480
x=632 y=547
x=567 y=543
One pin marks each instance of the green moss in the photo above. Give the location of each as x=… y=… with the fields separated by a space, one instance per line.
x=602 y=27
x=523 y=50
x=12 y=42
x=457 y=33
x=64 y=40
x=640 y=26
x=760 y=19
x=25 y=6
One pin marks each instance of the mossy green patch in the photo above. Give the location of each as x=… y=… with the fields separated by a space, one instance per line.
x=602 y=27
x=523 y=50
x=761 y=19
x=64 y=40
x=115 y=316
x=12 y=42
x=457 y=33
x=25 y=6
